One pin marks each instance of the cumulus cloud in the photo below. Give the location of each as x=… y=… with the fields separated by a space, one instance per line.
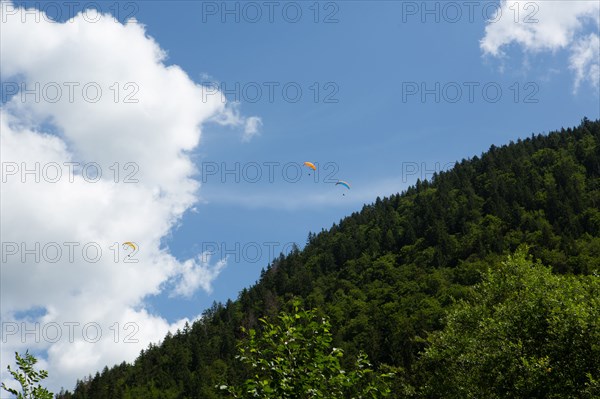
x=232 y=117
x=105 y=129
x=197 y=273
x=585 y=60
x=251 y=129
x=549 y=26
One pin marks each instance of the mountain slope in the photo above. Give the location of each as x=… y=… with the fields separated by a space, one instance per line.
x=386 y=275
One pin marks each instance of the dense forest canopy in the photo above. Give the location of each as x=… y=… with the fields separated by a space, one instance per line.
x=387 y=276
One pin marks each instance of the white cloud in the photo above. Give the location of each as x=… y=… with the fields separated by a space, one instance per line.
x=306 y=195
x=232 y=117
x=548 y=26
x=149 y=135
x=251 y=129
x=197 y=273
x=585 y=61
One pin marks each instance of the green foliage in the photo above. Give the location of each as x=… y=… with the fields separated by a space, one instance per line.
x=524 y=333
x=293 y=358
x=29 y=379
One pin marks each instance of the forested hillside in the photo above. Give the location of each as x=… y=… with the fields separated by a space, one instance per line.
x=387 y=275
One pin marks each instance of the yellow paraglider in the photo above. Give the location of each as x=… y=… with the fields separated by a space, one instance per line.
x=132 y=245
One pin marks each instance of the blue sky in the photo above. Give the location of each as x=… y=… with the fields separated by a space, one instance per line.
x=362 y=68
x=369 y=133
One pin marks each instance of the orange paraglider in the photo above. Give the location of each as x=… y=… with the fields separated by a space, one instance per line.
x=310 y=165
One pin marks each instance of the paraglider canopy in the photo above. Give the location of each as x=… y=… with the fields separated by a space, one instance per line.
x=130 y=244
x=310 y=165
x=343 y=183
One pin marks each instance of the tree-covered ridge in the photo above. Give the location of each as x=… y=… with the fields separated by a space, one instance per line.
x=524 y=332
x=386 y=275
